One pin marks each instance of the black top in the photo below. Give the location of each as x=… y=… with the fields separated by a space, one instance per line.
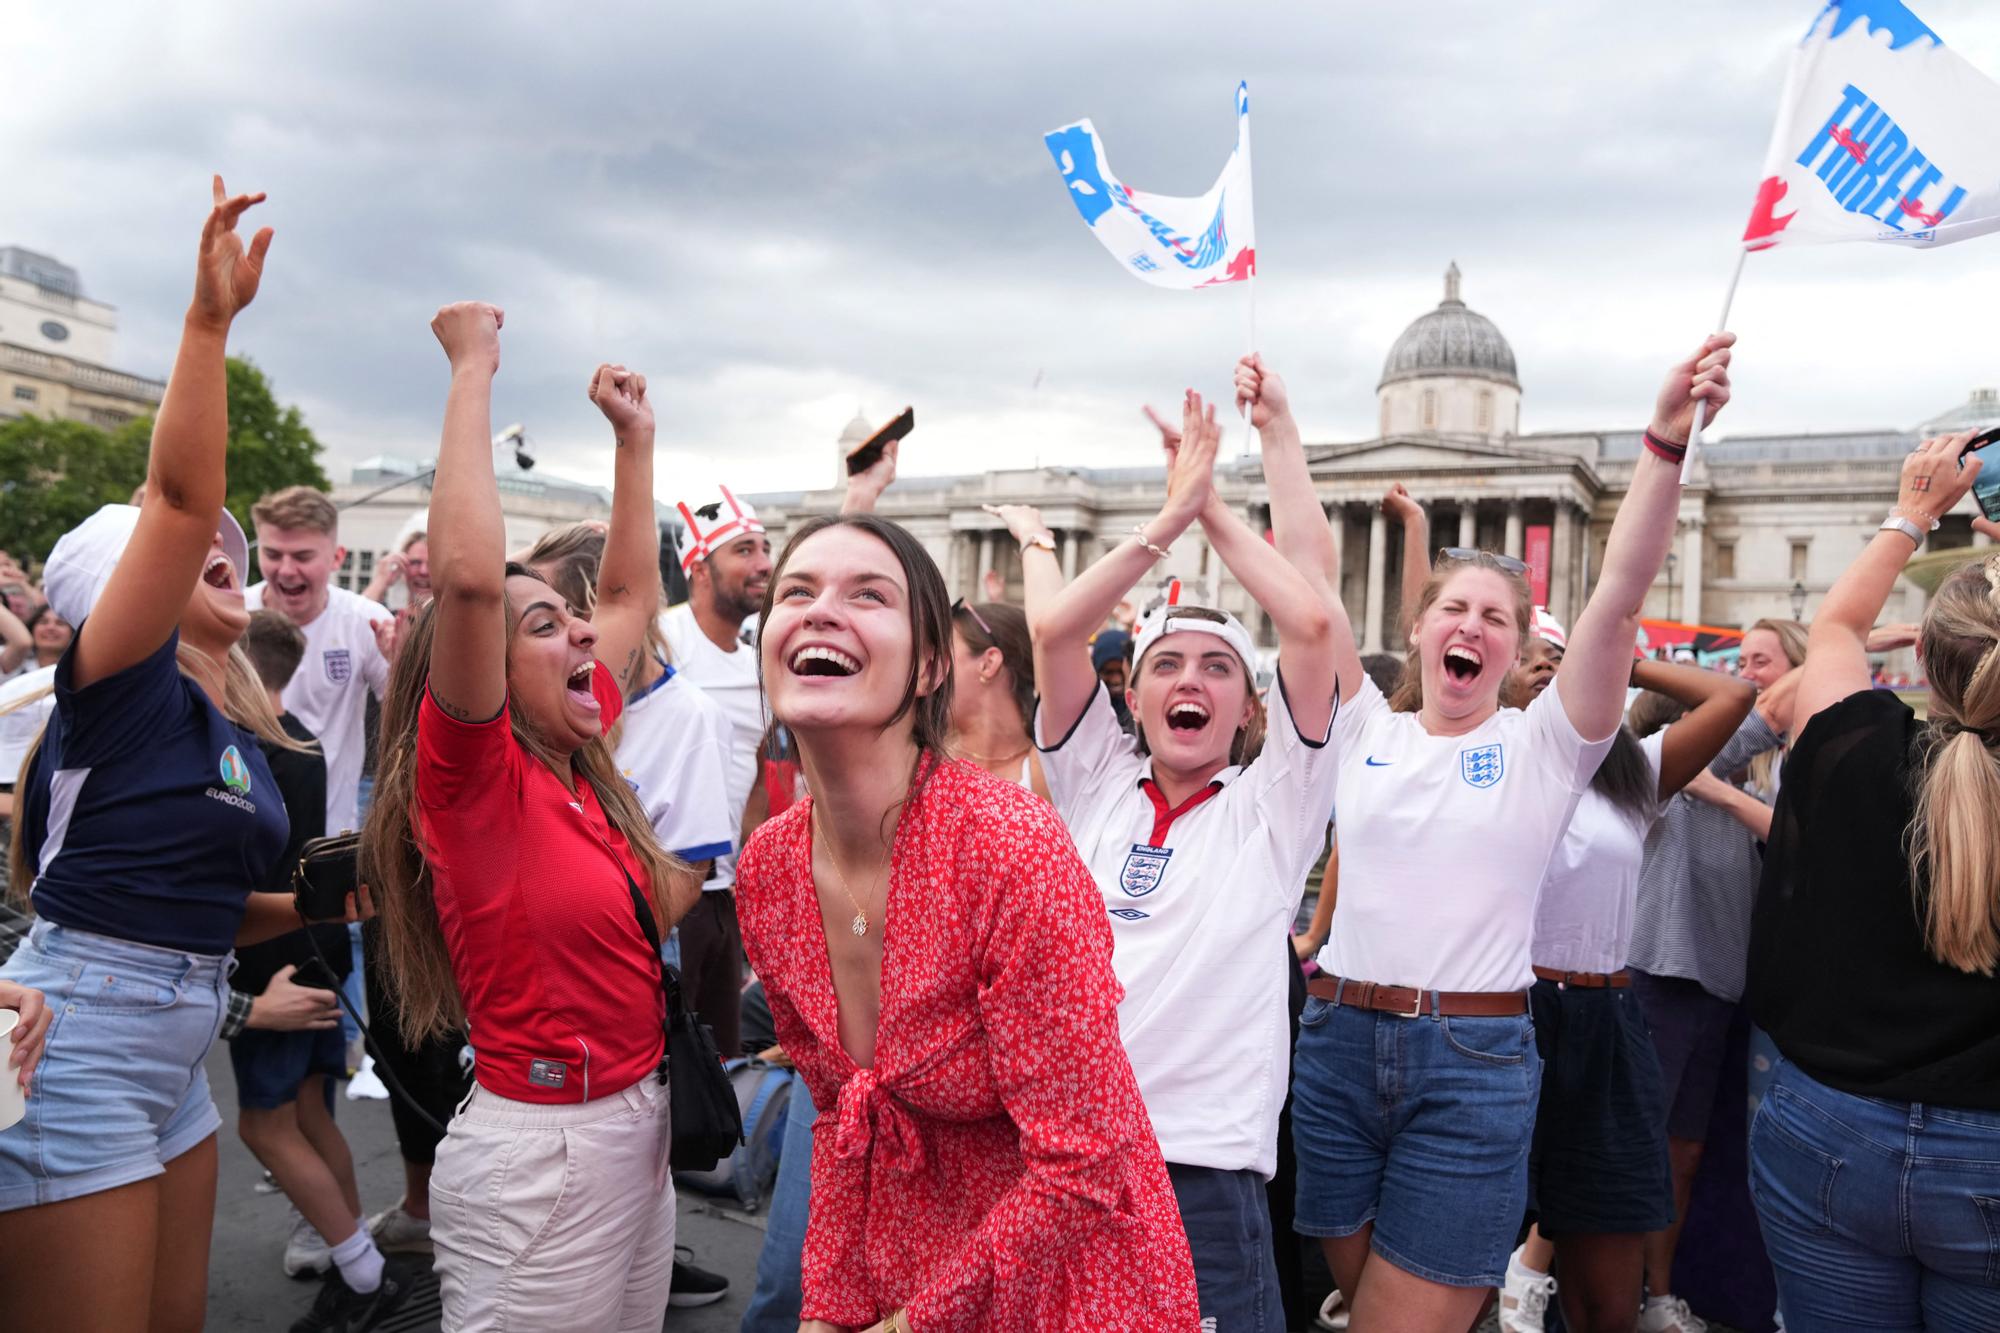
x=1839 y=975
x=301 y=779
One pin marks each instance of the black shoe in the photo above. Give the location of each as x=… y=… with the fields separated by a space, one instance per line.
x=694 y=1286
x=339 y=1308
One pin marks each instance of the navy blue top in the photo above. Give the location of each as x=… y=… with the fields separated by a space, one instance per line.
x=149 y=815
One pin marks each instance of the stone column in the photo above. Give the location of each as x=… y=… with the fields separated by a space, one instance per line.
x=1691 y=544
x=1070 y=542
x=1378 y=570
x=1336 y=519
x=1468 y=523
x=1561 y=558
x=954 y=560
x=984 y=565
x=1514 y=512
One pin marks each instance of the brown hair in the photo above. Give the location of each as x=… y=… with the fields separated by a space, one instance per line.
x=1000 y=625
x=275 y=647
x=418 y=536
x=930 y=625
x=1651 y=711
x=297 y=507
x=1792 y=642
x=1954 y=836
x=1409 y=695
x=427 y=999
x=567 y=559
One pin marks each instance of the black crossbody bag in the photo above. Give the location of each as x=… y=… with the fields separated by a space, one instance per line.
x=707 y=1123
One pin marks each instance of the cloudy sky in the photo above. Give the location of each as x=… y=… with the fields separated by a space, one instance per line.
x=783 y=211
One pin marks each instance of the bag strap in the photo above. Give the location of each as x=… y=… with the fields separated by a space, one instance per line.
x=670 y=980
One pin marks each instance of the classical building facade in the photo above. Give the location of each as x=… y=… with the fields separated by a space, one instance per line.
x=56 y=347
x=1767 y=522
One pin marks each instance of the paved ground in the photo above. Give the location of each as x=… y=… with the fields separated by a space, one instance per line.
x=249 y=1293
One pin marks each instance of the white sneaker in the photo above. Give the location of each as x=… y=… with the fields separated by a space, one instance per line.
x=306 y=1254
x=1333 y=1313
x=396 y=1232
x=1669 y=1314
x=1524 y=1299
x=367 y=1083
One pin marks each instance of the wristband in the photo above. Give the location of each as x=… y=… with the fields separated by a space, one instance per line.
x=1139 y=535
x=1666 y=449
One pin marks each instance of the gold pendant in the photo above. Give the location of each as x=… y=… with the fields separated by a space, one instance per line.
x=859 y=925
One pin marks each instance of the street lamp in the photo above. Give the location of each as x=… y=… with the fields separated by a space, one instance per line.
x=1672 y=561
x=1798 y=600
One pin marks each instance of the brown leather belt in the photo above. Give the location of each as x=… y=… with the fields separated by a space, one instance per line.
x=1587 y=980
x=1409 y=1002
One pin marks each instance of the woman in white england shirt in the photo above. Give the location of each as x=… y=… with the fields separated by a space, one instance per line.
x=1416 y=1076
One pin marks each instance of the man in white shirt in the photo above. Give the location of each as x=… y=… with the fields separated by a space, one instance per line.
x=727 y=560
x=298 y=549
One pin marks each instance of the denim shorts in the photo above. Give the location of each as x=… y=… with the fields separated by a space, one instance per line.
x=270 y=1066
x=1421 y=1126
x=1599 y=1164
x=120 y=1090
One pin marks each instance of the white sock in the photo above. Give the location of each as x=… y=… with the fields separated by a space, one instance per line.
x=360 y=1263
x=1516 y=1264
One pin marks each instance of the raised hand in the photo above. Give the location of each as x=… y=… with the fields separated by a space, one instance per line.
x=620 y=394
x=1262 y=390
x=1191 y=460
x=1775 y=702
x=1397 y=504
x=865 y=487
x=226 y=276
x=469 y=332
x=1024 y=522
x=1888 y=638
x=1936 y=475
x=1702 y=378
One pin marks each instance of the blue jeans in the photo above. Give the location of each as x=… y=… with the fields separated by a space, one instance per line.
x=1228 y=1223
x=1879 y=1216
x=774 y=1303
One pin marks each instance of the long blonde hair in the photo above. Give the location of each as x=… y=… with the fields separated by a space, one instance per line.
x=1954 y=835
x=1791 y=636
x=394 y=859
x=244 y=702
x=1409 y=695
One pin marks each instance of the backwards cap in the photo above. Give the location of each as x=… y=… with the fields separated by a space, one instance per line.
x=1162 y=620
x=83 y=558
x=1546 y=626
x=712 y=524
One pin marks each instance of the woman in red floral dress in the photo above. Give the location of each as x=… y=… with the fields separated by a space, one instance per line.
x=985 y=1161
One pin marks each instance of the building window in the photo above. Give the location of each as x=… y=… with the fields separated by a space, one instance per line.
x=1799 y=549
x=1486 y=411
x=26 y=393
x=1430 y=418
x=55 y=330
x=1725 y=560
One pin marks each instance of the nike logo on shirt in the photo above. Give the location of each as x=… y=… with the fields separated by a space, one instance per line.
x=1373 y=762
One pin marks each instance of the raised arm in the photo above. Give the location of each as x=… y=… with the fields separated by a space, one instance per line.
x=628 y=579
x=1597 y=664
x=1716 y=704
x=1934 y=477
x=1041 y=574
x=864 y=489
x=186 y=477
x=1416 y=524
x=1062 y=629
x=468 y=667
x=15 y=640
x=1298 y=525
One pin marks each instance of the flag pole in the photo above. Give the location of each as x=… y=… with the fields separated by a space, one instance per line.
x=1701 y=407
x=1250 y=409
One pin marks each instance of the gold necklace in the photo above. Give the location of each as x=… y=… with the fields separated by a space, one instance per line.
x=860 y=923
x=979 y=758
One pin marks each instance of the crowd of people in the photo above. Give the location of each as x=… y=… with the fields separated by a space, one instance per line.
x=1022 y=886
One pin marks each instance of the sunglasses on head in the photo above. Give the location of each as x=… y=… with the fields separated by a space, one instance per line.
x=962 y=605
x=1471 y=555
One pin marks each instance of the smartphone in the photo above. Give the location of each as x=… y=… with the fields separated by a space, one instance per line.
x=870 y=451
x=1985 y=447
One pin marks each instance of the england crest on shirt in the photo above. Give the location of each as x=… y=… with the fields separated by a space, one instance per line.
x=339 y=665
x=1143 y=867
x=1482 y=765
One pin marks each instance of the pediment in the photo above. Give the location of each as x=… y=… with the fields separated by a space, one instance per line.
x=1431 y=453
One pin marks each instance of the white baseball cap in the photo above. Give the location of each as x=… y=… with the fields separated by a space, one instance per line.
x=1547 y=627
x=711 y=524
x=1170 y=617
x=81 y=563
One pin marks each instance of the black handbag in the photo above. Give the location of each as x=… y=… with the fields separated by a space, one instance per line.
x=707 y=1122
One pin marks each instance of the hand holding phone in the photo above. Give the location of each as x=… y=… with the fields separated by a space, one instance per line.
x=1985 y=447
x=869 y=452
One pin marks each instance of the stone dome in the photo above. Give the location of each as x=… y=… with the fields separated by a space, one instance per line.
x=856 y=431
x=1453 y=341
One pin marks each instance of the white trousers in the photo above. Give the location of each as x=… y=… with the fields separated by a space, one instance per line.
x=555 y=1217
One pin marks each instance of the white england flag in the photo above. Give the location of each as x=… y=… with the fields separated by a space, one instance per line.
x=1167 y=240
x=1884 y=135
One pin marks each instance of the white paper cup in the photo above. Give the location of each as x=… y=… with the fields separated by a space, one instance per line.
x=13 y=1105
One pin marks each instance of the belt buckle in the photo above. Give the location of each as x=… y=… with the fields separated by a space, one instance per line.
x=1416 y=1007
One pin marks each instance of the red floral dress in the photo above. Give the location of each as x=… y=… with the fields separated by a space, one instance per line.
x=994 y=1168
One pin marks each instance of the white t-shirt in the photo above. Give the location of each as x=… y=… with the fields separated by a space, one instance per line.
x=1445 y=841
x=673 y=748
x=1201 y=911
x=19 y=727
x=730 y=679
x=326 y=693
x=1584 y=920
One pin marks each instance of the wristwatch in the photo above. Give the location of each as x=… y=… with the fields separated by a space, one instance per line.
x=1041 y=539
x=1897 y=523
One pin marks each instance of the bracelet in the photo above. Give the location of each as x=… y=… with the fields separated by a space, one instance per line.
x=1666 y=449
x=1139 y=534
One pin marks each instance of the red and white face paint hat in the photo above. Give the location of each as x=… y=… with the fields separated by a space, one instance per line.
x=1170 y=617
x=1546 y=626
x=712 y=524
